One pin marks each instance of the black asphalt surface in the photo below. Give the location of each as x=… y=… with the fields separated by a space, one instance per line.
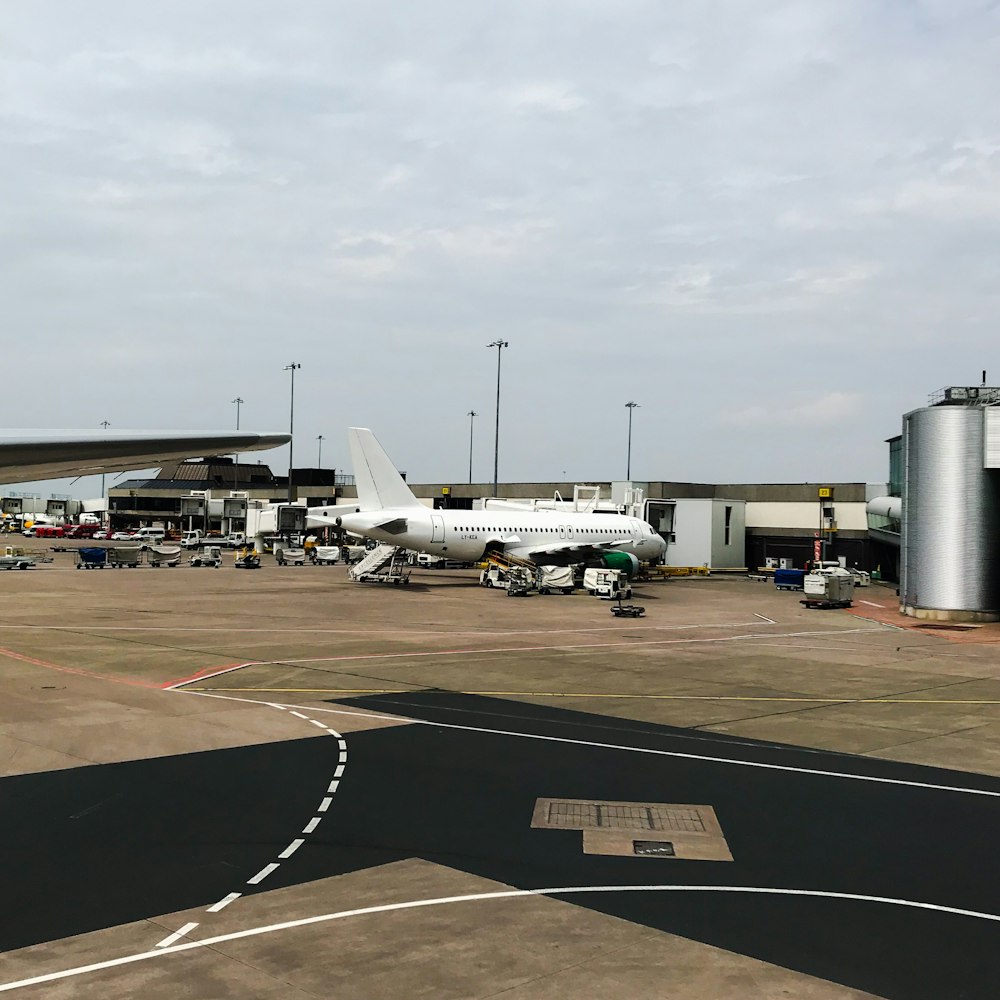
x=93 y=847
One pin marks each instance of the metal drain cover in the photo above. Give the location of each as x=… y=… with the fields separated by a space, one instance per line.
x=629 y=829
x=653 y=849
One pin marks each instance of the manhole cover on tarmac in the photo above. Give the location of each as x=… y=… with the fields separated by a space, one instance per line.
x=611 y=828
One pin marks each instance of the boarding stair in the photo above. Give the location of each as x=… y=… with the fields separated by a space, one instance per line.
x=505 y=561
x=384 y=564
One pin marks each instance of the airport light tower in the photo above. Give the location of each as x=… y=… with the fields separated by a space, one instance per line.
x=105 y=424
x=499 y=345
x=319 y=451
x=239 y=402
x=291 y=425
x=472 y=425
x=628 y=461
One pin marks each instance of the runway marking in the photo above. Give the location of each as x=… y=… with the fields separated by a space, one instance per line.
x=177 y=935
x=325 y=804
x=647 y=750
x=530 y=649
x=339 y=772
x=360 y=631
x=291 y=848
x=300 y=715
x=312 y=824
x=764 y=618
x=317 y=723
x=34 y=661
x=263 y=873
x=334 y=785
x=483 y=897
x=818 y=700
x=224 y=902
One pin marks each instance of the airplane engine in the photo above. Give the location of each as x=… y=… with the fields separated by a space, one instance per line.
x=623 y=561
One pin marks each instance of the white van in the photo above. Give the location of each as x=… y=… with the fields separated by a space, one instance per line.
x=149 y=536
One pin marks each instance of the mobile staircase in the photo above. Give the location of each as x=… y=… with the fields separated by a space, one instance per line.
x=384 y=564
x=516 y=575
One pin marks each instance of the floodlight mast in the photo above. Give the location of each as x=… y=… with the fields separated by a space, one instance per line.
x=499 y=345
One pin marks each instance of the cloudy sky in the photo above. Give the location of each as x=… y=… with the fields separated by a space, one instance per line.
x=773 y=224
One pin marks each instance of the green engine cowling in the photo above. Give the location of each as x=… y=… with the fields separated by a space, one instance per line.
x=625 y=562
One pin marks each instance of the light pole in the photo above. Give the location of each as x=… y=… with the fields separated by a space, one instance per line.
x=472 y=426
x=239 y=403
x=499 y=345
x=628 y=462
x=105 y=424
x=291 y=425
x=319 y=452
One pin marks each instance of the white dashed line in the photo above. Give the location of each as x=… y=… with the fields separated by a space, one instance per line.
x=764 y=618
x=343 y=756
x=176 y=936
x=870 y=604
x=325 y=804
x=263 y=873
x=315 y=722
x=339 y=773
x=224 y=902
x=291 y=848
x=334 y=785
x=299 y=715
x=312 y=824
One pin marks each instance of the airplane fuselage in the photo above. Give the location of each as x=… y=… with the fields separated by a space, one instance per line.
x=466 y=535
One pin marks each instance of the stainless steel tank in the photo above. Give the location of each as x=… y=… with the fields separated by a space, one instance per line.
x=951 y=513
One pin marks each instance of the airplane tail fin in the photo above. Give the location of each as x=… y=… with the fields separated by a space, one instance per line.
x=379 y=484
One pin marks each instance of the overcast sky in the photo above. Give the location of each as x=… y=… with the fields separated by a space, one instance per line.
x=773 y=224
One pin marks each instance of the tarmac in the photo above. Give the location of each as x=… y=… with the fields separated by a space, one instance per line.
x=281 y=783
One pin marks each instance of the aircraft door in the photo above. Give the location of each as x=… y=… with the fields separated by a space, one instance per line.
x=437 y=528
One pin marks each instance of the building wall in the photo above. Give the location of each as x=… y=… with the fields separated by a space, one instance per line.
x=733 y=554
x=770 y=514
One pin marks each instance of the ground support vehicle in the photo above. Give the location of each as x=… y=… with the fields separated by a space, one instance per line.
x=14 y=558
x=607 y=584
x=247 y=558
x=91 y=558
x=520 y=582
x=353 y=553
x=210 y=555
x=620 y=610
x=125 y=555
x=789 y=579
x=290 y=557
x=163 y=555
x=383 y=564
x=324 y=555
x=555 y=580
x=828 y=587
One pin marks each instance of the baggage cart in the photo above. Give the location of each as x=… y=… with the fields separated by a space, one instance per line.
x=91 y=558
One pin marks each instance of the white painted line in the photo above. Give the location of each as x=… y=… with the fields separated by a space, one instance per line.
x=339 y=773
x=764 y=618
x=324 y=805
x=263 y=873
x=871 y=604
x=705 y=757
x=482 y=898
x=312 y=824
x=322 y=725
x=176 y=936
x=299 y=715
x=343 y=757
x=291 y=848
x=224 y=902
x=659 y=753
x=334 y=785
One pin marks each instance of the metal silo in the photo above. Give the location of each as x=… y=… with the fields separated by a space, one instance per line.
x=951 y=514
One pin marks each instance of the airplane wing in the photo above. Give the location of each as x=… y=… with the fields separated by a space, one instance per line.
x=557 y=552
x=27 y=455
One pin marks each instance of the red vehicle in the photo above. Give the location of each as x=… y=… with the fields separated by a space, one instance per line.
x=49 y=531
x=82 y=530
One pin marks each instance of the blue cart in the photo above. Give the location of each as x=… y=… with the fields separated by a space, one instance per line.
x=91 y=558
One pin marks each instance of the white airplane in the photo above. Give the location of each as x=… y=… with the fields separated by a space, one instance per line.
x=27 y=455
x=389 y=512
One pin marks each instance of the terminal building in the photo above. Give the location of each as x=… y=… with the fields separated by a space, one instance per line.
x=723 y=527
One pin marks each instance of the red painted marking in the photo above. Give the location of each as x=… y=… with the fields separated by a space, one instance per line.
x=74 y=670
x=202 y=673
